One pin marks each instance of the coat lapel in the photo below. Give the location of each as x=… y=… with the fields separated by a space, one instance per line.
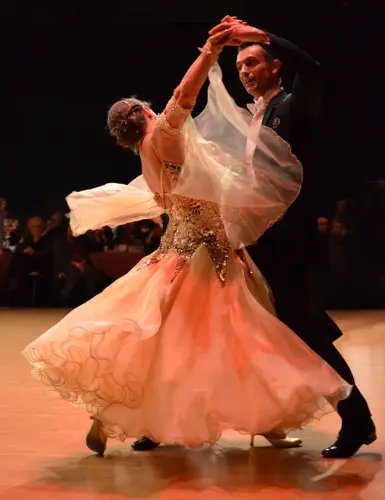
x=272 y=104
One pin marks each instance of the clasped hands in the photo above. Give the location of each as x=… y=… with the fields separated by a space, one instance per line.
x=233 y=31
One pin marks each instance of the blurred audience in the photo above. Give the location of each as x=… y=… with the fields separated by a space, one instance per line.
x=33 y=260
x=9 y=227
x=151 y=231
x=46 y=265
x=75 y=277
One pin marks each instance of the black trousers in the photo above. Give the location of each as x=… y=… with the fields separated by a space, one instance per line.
x=284 y=265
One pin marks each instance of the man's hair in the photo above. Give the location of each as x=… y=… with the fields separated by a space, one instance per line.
x=269 y=52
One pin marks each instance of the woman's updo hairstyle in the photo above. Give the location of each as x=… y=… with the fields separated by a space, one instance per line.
x=127 y=122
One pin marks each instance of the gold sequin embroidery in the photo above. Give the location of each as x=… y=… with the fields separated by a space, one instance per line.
x=175 y=107
x=192 y=223
x=162 y=122
x=165 y=127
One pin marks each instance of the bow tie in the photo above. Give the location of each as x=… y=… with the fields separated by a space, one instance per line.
x=259 y=105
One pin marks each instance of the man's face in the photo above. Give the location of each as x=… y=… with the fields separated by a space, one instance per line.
x=256 y=74
x=323 y=225
x=36 y=226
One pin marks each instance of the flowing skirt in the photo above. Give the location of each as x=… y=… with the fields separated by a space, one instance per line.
x=181 y=361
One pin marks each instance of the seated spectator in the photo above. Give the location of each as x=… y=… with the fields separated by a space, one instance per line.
x=33 y=257
x=100 y=240
x=124 y=235
x=9 y=226
x=151 y=231
x=75 y=274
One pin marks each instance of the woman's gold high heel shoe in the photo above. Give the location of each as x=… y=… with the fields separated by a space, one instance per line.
x=96 y=440
x=279 y=442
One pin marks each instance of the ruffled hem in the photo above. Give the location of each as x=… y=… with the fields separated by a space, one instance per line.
x=194 y=359
x=99 y=406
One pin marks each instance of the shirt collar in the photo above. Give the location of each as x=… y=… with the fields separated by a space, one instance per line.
x=261 y=103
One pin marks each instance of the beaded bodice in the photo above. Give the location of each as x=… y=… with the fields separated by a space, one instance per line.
x=192 y=223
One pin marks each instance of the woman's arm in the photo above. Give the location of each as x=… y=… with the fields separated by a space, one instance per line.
x=188 y=90
x=166 y=141
x=185 y=95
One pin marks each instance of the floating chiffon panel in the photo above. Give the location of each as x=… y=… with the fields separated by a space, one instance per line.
x=111 y=205
x=251 y=195
x=181 y=362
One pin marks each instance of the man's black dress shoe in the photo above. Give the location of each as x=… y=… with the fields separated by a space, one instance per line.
x=349 y=442
x=144 y=444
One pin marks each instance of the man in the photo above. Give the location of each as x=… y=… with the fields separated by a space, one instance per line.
x=74 y=273
x=33 y=257
x=283 y=253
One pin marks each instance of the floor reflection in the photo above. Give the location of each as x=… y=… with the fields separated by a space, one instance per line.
x=43 y=456
x=146 y=475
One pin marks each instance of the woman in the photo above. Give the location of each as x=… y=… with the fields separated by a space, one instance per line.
x=187 y=345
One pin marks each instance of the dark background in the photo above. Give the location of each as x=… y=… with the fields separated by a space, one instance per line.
x=64 y=63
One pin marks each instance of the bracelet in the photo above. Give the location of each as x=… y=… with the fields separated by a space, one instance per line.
x=209 y=50
x=175 y=107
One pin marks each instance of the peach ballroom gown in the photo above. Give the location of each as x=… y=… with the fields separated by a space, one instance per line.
x=186 y=345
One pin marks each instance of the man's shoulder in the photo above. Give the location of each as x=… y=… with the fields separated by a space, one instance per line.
x=279 y=106
x=283 y=99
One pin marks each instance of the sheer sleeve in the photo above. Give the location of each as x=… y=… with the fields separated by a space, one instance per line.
x=112 y=205
x=251 y=195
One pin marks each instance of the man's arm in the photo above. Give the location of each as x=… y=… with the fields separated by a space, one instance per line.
x=307 y=86
x=288 y=53
x=239 y=32
x=306 y=94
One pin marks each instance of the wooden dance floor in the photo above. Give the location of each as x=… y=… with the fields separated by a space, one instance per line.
x=43 y=455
